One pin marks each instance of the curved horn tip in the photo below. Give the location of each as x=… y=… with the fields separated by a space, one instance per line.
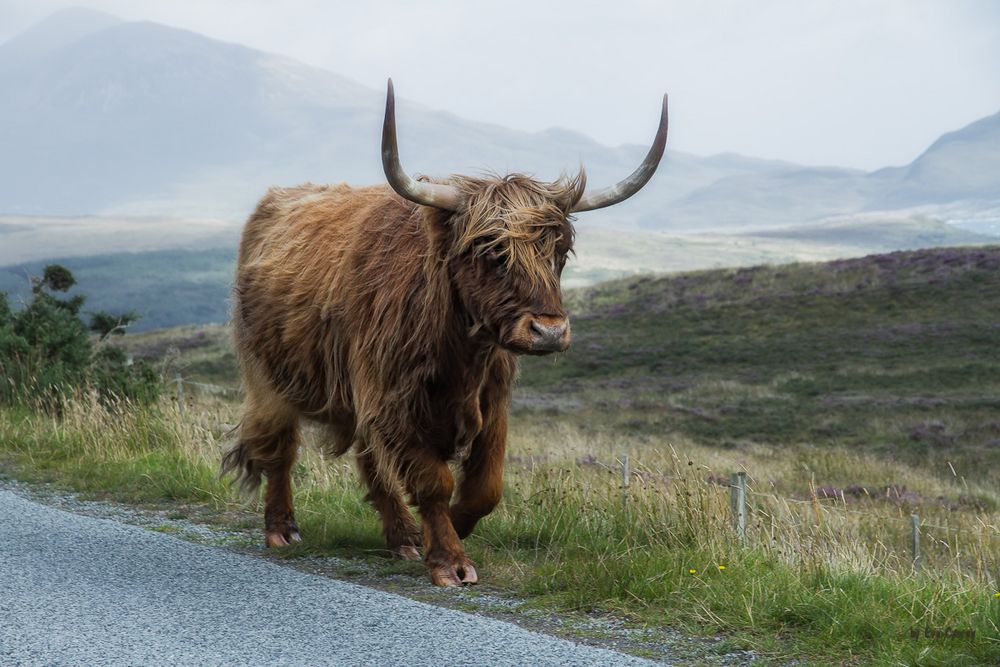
x=438 y=195
x=637 y=179
x=663 y=110
x=390 y=95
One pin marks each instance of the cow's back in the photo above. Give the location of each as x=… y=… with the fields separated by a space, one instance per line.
x=304 y=255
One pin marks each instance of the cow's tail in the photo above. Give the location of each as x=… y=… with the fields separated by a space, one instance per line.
x=246 y=470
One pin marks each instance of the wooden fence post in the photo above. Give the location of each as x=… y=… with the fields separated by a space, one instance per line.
x=179 y=381
x=626 y=477
x=915 y=539
x=738 y=503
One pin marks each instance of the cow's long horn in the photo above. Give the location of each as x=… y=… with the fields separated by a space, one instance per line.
x=428 y=194
x=625 y=189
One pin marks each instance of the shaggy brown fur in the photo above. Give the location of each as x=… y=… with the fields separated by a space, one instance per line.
x=398 y=326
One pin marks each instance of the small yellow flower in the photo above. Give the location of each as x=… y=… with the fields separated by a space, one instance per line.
x=997 y=594
x=721 y=568
x=692 y=571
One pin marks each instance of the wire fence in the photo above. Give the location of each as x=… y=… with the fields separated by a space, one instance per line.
x=826 y=519
x=823 y=503
x=748 y=504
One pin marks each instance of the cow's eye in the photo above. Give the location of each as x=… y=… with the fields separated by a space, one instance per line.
x=493 y=259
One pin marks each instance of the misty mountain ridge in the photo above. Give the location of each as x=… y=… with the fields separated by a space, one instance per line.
x=109 y=116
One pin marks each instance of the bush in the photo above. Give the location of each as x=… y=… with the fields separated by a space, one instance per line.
x=46 y=351
x=115 y=377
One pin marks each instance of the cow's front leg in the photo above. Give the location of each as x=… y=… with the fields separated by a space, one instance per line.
x=482 y=475
x=431 y=485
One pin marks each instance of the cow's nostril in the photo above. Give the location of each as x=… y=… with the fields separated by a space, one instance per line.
x=548 y=337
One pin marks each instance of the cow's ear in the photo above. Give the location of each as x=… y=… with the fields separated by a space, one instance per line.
x=439 y=228
x=570 y=190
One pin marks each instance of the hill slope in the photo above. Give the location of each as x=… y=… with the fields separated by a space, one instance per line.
x=166 y=287
x=890 y=354
x=894 y=353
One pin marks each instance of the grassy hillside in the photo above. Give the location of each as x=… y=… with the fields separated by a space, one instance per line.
x=896 y=354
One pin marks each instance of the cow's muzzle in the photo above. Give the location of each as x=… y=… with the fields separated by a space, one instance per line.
x=549 y=334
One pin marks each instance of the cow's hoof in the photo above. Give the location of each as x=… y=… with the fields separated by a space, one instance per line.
x=469 y=575
x=281 y=538
x=406 y=552
x=461 y=574
x=404 y=544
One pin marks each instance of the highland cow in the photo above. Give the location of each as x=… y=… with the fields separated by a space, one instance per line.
x=394 y=316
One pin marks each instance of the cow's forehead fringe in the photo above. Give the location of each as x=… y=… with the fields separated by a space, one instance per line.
x=518 y=217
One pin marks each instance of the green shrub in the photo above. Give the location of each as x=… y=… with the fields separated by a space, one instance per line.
x=115 y=377
x=46 y=351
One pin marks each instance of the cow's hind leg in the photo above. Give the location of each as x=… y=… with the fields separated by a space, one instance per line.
x=268 y=444
x=402 y=535
x=430 y=484
x=280 y=528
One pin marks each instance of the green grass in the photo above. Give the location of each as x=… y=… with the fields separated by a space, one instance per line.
x=567 y=539
x=136 y=456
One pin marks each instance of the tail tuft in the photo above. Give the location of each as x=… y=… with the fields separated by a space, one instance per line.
x=247 y=472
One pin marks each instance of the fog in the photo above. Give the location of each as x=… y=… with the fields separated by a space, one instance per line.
x=860 y=84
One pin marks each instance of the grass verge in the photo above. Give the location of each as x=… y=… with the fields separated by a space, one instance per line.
x=806 y=585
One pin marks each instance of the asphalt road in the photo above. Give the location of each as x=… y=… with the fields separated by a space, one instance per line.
x=78 y=590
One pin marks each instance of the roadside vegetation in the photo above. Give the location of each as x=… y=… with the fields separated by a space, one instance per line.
x=854 y=394
x=48 y=352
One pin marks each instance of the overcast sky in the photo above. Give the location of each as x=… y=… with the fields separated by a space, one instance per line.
x=855 y=83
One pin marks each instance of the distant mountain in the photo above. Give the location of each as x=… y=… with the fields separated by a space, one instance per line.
x=961 y=165
x=108 y=116
x=102 y=115
x=133 y=113
x=54 y=33
x=776 y=197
